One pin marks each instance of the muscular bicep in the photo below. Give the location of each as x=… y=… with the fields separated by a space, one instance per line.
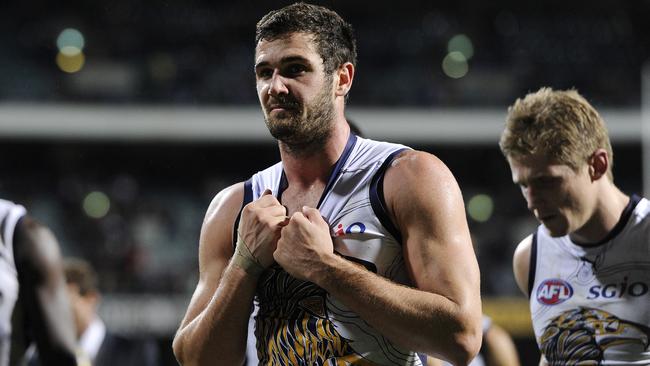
x=215 y=246
x=428 y=208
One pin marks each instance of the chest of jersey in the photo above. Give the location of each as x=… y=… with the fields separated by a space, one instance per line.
x=297 y=322
x=593 y=304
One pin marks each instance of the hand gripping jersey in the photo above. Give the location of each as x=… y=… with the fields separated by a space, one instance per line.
x=297 y=322
x=10 y=213
x=590 y=305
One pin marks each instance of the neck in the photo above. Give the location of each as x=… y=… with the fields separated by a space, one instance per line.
x=607 y=213
x=307 y=166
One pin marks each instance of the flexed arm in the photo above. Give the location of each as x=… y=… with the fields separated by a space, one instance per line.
x=442 y=314
x=215 y=326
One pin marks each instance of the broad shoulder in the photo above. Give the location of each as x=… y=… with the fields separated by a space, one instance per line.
x=414 y=173
x=418 y=165
x=421 y=192
x=216 y=238
x=225 y=204
x=521 y=263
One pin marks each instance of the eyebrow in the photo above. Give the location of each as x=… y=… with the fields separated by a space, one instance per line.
x=284 y=60
x=536 y=178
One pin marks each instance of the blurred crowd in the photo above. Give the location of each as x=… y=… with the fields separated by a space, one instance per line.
x=201 y=52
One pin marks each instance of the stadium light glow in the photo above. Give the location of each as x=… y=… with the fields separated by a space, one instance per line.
x=480 y=207
x=70 y=37
x=70 y=63
x=455 y=65
x=461 y=43
x=96 y=204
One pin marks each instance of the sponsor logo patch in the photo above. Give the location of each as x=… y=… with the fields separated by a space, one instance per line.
x=354 y=228
x=554 y=291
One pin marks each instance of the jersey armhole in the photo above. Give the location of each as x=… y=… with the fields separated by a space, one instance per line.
x=532 y=265
x=248 y=198
x=377 y=200
x=2 y=231
x=8 y=232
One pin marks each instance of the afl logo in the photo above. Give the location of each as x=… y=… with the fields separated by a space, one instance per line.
x=554 y=291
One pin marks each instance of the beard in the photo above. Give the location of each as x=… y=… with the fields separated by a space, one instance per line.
x=303 y=128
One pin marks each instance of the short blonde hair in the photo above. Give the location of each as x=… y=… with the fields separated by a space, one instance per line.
x=558 y=123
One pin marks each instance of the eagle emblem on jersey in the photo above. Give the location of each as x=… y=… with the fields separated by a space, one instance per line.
x=292 y=325
x=583 y=336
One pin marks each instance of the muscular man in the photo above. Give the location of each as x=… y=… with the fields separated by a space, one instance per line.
x=355 y=251
x=586 y=269
x=33 y=301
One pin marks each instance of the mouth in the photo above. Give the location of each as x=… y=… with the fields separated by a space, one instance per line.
x=282 y=104
x=281 y=113
x=280 y=107
x=546 y=218
x=282 y=110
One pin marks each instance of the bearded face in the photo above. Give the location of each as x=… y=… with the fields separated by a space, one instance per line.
x=297 y=95
x=301 y=124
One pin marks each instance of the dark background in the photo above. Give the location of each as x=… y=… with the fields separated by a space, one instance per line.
x=199 y=54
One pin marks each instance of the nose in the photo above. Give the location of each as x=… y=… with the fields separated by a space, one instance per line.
x=278 y=85
x=530 y=196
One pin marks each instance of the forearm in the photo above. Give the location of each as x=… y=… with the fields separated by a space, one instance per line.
x=219 y=331
x=415 y=319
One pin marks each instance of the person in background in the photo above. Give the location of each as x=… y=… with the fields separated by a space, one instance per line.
x=97 y=346
x=33 y=302
x=586 y=269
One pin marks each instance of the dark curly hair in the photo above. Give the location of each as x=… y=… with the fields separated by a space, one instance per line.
x=333 y=36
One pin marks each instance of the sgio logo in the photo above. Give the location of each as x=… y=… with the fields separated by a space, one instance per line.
x=554 y=291
x=611 y=290
x=355 y=227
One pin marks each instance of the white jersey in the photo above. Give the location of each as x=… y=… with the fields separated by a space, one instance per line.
x=297 y=322
x=10 y=213
x=591 y=304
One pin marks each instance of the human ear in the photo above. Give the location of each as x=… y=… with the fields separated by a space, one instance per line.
x=345 y=76
x=598 y=164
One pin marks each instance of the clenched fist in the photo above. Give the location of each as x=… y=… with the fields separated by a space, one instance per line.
x=259 y=229
x=305 y=245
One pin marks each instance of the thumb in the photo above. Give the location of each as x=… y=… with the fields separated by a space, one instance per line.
x=312 y=214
